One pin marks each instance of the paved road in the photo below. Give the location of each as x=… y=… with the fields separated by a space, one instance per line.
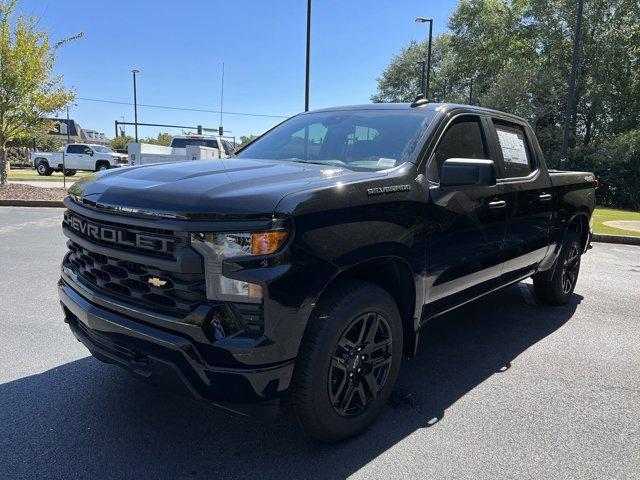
x=502 y=388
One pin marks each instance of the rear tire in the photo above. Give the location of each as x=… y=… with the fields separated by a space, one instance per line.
x=43 y=169
x=348 y=363
x=558 y=289
x=70 y=173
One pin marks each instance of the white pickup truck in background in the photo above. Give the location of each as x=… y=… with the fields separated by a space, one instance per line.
x=183 y=148
x=77 y=156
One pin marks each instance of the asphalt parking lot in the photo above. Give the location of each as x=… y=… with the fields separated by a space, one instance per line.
x=501 y=388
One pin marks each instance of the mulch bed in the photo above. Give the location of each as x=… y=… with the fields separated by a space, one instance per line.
x=15 y=191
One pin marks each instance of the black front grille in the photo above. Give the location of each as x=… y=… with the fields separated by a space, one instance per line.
x=141 y=240
x=147 y=286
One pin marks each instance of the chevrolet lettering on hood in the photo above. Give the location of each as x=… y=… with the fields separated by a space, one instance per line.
x=115 y=235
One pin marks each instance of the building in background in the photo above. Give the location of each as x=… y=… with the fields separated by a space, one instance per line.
x=74 y=132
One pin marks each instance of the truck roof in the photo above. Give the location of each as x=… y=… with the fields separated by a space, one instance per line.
x=427 y=107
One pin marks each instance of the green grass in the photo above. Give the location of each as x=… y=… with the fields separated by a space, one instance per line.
x=32 y=175
x=601 y=215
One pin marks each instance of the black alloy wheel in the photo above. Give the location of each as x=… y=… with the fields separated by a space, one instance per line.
x=360 y=364
x=349 y=361
x=556 y=286
x=570 y=269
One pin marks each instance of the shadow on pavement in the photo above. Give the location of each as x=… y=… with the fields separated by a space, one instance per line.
x=89 y=420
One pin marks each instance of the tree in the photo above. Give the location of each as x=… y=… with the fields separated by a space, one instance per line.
x=518 y=53
x=28 y=89
x=120 y=143
x=37 y=141
x=162 y=139
x=244 y=139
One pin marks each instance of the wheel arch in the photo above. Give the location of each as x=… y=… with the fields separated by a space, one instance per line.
x=102 y=162
x=579 y=223
x=392 y=274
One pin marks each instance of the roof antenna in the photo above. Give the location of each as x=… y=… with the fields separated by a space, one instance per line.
x=419 y=101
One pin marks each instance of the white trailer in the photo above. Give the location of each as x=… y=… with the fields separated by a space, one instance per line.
x=183 y=148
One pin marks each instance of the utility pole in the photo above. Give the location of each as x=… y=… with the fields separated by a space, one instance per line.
x=220 y=129
x=135 y=102
x=64 y=163
x=571 y=93
x=306 y=88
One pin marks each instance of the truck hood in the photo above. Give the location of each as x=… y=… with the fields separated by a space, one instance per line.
x=230 y=188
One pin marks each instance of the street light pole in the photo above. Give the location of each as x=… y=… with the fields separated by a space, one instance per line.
x=135 y=102
x=306 y=87
x=423 y=63
x=430 y=21
x=470 y=90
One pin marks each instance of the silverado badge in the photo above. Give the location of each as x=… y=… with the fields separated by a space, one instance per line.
x=157 y=282
x=388 y=189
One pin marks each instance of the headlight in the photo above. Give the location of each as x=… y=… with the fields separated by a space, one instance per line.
x=216 y=247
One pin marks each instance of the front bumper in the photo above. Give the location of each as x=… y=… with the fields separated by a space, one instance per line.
x=172 y=359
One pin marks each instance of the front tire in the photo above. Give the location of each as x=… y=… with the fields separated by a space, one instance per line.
x=558 y=289
x=349 y=362
x=43 y=169
x=102 y=166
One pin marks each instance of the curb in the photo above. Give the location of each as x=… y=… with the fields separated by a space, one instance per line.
x=31 y=203
x=599 y=237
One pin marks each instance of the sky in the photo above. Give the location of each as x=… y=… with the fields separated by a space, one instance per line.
x=179 y=48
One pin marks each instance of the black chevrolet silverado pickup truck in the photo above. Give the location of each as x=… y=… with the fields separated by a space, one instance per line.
x=304 y=266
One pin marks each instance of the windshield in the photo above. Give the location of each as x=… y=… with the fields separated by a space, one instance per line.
x=101 y=149
x=357 y=139
x=202 y=142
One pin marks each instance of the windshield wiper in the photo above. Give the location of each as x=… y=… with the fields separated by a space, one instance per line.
x=316 y=162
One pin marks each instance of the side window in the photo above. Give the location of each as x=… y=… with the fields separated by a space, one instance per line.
x=75 y=148
x=86 y=150
x=515 y=152
x=462 y=139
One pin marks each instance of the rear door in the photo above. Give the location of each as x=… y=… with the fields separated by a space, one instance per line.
x=528 y=195
x=466 y=226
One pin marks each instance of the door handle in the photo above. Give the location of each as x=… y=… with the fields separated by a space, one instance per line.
x=497 y=204
x=544 y=197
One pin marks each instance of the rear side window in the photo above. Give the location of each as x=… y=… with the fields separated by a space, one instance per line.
x=514 y=148
x=462 y=139
x=75 y=149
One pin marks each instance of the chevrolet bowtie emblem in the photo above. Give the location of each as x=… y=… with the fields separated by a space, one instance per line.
x=157 y=282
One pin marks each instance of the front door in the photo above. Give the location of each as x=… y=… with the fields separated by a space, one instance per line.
x=466 y=226
x=529 y=199
x=73 y=157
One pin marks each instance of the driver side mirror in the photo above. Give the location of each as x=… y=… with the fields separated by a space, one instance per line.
x=467 y=172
